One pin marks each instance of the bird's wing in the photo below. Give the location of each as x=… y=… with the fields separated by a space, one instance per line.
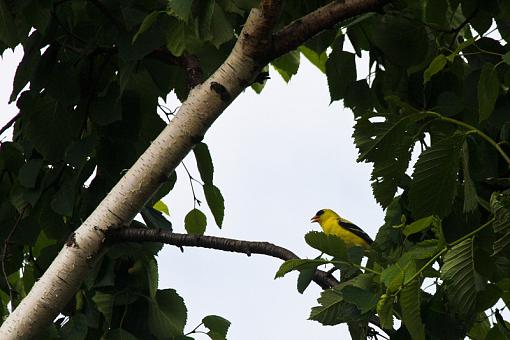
x=355 y=230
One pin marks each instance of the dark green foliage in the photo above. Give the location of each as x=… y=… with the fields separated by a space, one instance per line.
x=436 y=82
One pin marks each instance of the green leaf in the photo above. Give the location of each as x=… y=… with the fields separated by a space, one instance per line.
x=104 y=304
x=435 y=178
x=204 y=162
x=28 y=173
x=329 y=244
x=435 y=66
x=147 y=23
x=161 y=207
x=151 y=268
x=28 y=64
x=341 y=72
x=488 y=91
x=420 y=225
x=364 y=299
x=333 y=309
x=385 y=311
x=167 y=314
x=480 y=327
x=459 y=276
x=195 y=222
x=305 y=277
x=76 y=328
x=205 y=16
x=155 y=219
x=63 y=201
x=287 y=65
x=298 y=264
x=215 y=202
x=424 y=249
x=222 y=31
x=388 y=145
x=180 y=8
x=410 y=305
x=396 y=274
x=218 y=326
x=500 y=207
x=506 y=58
x=319 y=60
x=176 y=38
x=8 y=29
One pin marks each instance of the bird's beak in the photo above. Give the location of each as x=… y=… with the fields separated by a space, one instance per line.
x=315 y=219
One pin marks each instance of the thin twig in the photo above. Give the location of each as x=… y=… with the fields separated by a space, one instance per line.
x=4 y=255
x=191 y=179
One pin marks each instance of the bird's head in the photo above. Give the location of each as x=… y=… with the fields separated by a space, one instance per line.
x=323 y=215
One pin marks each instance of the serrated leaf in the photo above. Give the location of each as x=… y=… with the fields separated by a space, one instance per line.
x=385 y=311
x=215 y=202
x=458 y=274
x=161 y=207
x=420 y=225
x=218 y=326
x=437 y=64
x=329 y=244
x=435 y=178
x=488 y=91
x=500 y=207
x=104 y=303
x=195 y=222
x=204 y=162
x=167 y=314
x=363 y=299
x=424 y=249
x=341 y=72
x=319 y=60
x=480 y=327
x=287 y=65
x=333 y=309
x=180 y=8
x=388 y=145
x=410 y=305
x=298 y=264
x=396 y=274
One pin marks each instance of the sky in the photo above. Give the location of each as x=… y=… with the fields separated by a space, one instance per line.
x=278 y=158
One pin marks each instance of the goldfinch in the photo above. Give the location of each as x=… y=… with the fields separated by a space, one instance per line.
x=333 y=224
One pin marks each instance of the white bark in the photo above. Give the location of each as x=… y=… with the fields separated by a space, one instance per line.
x=204 y=104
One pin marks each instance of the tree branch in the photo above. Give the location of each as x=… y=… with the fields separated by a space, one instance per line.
x=323 y=279
x=300 y=30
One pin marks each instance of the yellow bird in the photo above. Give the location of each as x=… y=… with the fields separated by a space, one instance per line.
x=333 y=224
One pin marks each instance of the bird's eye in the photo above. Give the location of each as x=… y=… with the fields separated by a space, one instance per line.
x=320 y=212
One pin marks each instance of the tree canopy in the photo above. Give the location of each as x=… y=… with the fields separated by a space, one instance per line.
x=87 y=90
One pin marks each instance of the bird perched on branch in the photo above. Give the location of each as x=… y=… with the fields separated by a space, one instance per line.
x=333 y=224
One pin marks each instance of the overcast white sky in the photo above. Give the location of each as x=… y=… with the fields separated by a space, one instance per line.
x=279 y=157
